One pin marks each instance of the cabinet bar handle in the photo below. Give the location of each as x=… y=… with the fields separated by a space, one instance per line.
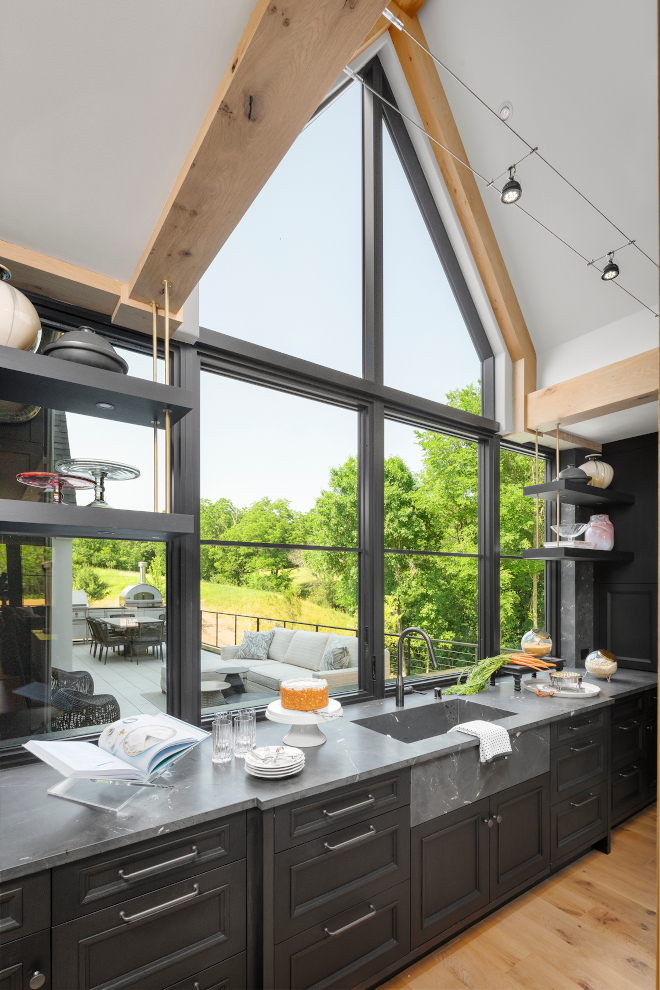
x=353 y=924
x=161 y=907
x=624 y=776
x=153 y=870
x=351 y=842
x=627 y=728
x=353 y=807
x=592 y=797
x=580 y=749
x=575 y=728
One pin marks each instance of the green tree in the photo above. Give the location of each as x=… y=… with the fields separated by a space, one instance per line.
x=88 y=580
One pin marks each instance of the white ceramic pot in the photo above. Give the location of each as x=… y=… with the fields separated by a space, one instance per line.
x=599 y=472
x=19 y=320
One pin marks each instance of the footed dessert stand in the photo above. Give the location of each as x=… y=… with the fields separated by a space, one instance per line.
x=304 y=731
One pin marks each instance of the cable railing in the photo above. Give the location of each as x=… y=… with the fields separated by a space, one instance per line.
x=451 y=655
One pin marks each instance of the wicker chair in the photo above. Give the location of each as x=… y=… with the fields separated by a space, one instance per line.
x=77 y=710
x=77 y=680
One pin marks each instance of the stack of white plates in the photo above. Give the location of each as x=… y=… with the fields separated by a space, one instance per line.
x=274 y=761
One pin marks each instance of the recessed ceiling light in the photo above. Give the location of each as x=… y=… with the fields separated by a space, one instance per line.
x=105 y=405
x=505 y=111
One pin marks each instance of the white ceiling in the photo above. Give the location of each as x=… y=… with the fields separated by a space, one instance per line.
x=101 y=103
x=582 y=79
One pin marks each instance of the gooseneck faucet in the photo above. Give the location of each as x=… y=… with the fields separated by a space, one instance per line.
x=399 y=659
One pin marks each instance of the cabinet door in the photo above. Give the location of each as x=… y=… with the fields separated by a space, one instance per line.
x=520 y=835
x=628 y=790
x=628 y=742
x=577 y=765
x=651 y=750
x=24 y=906
x=227 y=975
x=449 y=870
x=26 y=961
x=580 y=821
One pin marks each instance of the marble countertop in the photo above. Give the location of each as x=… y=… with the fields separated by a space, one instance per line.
x=40 y=831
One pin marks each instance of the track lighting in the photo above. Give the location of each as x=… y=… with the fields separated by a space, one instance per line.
x=611 y=269
x=511 y=190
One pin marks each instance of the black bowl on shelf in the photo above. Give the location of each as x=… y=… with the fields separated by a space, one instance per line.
x=83 y=346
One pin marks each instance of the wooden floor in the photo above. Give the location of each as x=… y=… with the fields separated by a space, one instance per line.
x=589 y=927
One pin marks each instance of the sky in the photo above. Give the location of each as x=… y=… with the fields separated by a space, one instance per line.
x=290 y=278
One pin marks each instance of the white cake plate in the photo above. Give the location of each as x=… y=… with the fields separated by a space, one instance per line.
x=304 y=731
x=544 y=684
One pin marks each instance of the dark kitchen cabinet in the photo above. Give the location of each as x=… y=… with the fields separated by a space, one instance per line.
x=519 y=835
x=25 y=963
x=628 y=790
x=628 y=741
x=579 y=821
x=580 y=763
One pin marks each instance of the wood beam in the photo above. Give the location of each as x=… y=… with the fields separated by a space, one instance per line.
x=622 y=385
x=46 y=276
x=437 y=118
x=286 y=61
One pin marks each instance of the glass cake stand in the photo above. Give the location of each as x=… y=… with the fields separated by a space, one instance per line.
x=53 y=482
x=304 y=731
x=99 y=472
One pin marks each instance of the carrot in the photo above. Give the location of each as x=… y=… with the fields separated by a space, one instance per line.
x=544 y=694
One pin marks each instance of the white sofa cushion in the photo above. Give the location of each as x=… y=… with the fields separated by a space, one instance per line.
x=280 y=643
x=351 y=644
x=270 y=675
x=306 y=649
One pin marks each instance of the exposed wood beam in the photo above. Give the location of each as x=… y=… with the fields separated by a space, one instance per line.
x=46 y=276
x=411 y=7
x=138 y=316
x=380 y=28
x=568 y=441
x=622 y=385
x=437 y=118
x=285 y=63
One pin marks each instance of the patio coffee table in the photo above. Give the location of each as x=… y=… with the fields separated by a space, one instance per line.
x=212 y=693
x=233 y=676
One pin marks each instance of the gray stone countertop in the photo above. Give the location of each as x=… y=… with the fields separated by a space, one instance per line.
x=40 y=831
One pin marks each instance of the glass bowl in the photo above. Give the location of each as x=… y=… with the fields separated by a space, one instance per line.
x=537 y=643
x=569 y=531
x=601 y=663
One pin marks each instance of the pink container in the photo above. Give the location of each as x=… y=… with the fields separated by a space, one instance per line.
x=600 y=533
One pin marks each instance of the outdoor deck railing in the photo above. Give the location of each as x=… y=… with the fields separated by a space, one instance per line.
x=450 y=654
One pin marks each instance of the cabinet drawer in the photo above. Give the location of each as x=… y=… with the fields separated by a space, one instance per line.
x=449 y=859
x=579 y=821
x=332 y=873
x=24 y=960
x=652 y=703
x=628 y=790
x=156 y=939
x=24 y=906
x=578 y=726
x=628 y=707
x=577 y=765
x=91 y=884
x=227 y=975
x=348 y=948
x=651 y=751
x=627 y=742
x=306 y=819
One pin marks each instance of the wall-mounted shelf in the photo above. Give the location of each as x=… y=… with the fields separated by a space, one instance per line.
x=576 y=493
x=50 y=519
x=40 y=380
x=576 y=553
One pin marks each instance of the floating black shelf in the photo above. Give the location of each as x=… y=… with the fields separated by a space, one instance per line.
x=576 y=493
x=40 y=380
x=50 y=519
x=577 y=553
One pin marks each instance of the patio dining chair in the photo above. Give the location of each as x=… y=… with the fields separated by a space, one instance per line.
x=146 y=635
x=111 y=639
x=93 y=626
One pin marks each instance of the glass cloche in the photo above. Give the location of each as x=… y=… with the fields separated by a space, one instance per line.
x=537 y=643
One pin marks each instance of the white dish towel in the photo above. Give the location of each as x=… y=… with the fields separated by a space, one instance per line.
x=494 y=741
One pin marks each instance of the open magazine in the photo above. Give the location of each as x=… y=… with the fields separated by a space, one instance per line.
x=131 y=749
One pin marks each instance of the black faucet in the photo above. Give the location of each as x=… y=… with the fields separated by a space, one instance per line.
x=399 y=659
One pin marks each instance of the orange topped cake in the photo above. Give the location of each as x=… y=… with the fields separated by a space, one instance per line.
x=304 y=695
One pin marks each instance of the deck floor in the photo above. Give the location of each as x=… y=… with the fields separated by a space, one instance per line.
x=127 y=681
x=589 y=927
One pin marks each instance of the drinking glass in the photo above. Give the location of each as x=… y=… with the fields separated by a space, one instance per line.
x=245 y=731
x=221 y=730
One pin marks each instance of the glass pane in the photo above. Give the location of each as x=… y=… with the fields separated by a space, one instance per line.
x=82 y=637
x=517 y=511
x=288 y=475
x=521 y=600
x=290 y=275
x=439 y=594
x=428 y=350
x=256 y=589
x=431 y=491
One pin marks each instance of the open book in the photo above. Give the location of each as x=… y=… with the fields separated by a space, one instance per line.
x=132 y=749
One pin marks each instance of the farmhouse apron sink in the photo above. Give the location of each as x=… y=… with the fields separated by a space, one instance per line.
x=412 y=724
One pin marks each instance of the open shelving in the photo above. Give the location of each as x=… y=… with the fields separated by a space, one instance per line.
x=577 y=493
x=50 y=519
x=577 y=553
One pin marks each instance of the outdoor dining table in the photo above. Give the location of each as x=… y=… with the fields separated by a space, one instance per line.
x=128 y=621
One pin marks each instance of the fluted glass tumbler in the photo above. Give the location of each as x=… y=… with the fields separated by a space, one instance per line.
x=245 y=731
x=221 y=731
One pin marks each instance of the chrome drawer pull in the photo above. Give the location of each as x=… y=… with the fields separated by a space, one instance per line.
x=580 y=749
x=627 y=728
x=624 y=776
x=352 y=842
x=353 y=807
x=575 y=728
x=152 y=870
x=592 y=797
x=161 y=907
x=353 y=924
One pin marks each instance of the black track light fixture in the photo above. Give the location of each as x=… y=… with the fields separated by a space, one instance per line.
x=511 y=190
x=611 y=269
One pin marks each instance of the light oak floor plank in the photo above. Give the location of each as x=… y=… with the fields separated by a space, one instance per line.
x=589 y=927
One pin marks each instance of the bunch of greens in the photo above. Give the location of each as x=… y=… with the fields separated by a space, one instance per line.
x=478 y=676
